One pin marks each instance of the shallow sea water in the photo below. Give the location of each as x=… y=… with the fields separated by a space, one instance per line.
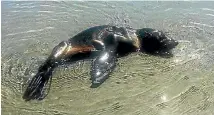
x=141 y=84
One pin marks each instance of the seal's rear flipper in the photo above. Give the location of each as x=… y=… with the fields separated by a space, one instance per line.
x=37 y=86
x=102 y=66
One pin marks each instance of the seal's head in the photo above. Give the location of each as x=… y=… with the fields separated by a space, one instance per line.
x=155 y=42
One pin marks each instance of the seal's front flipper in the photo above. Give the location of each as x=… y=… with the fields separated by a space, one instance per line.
x=102 y=66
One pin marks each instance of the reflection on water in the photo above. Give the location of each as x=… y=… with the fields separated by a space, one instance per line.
x=141 y=84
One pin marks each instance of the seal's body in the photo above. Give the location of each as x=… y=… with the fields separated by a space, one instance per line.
x=99 y=37
x=106 y=40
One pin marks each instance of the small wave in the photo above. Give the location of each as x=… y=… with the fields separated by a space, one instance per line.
x=193 y=13
x=23 y=39
x=53 y=19
x=45 y=5
x=210 y=15
x=207 y=9
x=82 y=6
x=15 y=11
x=79 y=10
x=45 y=11
x=184 y=41
x=168 y=9
x=180 y=60
x=192 y=27
x=30 y=31
x=206 y=25
x=24 y=6
x=62 y=13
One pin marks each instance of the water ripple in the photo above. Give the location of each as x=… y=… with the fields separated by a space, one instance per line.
x=201 y=24
x=210 y=15
x=46 y=11
x=207 y=9
x=30 y=31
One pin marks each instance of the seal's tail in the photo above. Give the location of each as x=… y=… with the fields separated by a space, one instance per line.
x=37 y=86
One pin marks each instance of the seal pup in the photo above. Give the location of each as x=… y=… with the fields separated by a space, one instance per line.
x=109 y=42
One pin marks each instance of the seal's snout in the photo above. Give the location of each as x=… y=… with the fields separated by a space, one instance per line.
x=175 y=42
x=172 y=43
x=169 y=43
